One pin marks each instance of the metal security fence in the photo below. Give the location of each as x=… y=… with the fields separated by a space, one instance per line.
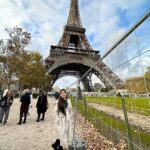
x=117 y=118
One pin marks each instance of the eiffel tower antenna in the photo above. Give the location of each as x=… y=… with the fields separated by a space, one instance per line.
x=74 y=14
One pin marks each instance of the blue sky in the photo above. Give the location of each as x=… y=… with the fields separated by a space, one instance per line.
x=105 y=21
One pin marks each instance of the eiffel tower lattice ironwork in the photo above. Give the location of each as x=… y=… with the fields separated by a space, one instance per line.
x=73 y=55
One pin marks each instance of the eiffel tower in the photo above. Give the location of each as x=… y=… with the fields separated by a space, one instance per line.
x=73 y=55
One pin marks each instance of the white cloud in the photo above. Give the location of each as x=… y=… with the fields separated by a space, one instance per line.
x=100 y=18
x=105 y=21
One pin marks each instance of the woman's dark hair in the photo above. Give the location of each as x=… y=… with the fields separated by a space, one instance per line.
x=61 y=102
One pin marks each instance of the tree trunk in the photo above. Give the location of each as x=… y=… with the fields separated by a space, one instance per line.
x=8 y=85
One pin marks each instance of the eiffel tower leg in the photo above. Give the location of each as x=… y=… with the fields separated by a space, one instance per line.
x=90 y=82
x=54 y=80
x=113 y=78
x=87 y=84
x=104 y=80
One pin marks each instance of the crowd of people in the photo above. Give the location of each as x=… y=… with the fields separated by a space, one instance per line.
x=7 y=100
x=62 y=111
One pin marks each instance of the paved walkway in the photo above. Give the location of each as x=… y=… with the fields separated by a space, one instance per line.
x=31 y=136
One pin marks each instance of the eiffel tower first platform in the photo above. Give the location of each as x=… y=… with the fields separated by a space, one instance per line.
x=74 y=56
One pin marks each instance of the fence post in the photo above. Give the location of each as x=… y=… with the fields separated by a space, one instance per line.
x=85 y=107
x=127 y=123
x=77 y=144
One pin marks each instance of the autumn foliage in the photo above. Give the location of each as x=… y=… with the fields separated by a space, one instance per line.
x=19 y=65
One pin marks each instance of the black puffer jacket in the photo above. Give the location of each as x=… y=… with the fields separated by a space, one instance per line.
x=6 y=101
x=25 y=98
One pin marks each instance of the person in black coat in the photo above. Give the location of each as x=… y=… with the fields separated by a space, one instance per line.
x=41 y=105
x=25 y=101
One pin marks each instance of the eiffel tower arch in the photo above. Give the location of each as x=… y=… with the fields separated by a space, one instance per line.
x=73 y=55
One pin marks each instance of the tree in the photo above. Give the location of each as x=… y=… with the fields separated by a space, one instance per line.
x=34 y=73
x=147 y=78
x=1 y=78
x=11 y=52
x=45 y=85
x=136 y=85
x=20 y=65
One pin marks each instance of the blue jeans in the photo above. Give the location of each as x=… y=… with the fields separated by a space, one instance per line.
x=4 y=113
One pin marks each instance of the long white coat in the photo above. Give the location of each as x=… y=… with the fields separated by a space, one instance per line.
x=64 y=123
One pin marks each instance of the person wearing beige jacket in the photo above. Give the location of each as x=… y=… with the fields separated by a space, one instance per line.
x=63 y=118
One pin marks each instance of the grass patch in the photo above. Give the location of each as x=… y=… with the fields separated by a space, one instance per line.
x=136 y=105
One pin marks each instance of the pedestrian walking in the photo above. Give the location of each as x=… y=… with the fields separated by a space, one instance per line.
x=42 y=105
x=24 y=107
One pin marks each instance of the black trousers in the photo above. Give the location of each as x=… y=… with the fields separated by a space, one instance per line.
x=24 y=111
x=39 y=115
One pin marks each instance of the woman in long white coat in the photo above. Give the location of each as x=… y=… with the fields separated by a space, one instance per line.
x=63 y=114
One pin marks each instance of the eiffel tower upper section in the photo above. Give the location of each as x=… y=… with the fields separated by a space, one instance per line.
x=74 y=19
x=73 y=39
x=74 y=33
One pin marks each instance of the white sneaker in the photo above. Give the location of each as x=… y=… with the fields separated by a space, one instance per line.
x=0 y=124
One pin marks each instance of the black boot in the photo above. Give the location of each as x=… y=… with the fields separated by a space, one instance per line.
x=38 y=118
x=24 y=121
x=19 y=123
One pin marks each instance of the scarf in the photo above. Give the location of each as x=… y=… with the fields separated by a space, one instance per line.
x=66 y=104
